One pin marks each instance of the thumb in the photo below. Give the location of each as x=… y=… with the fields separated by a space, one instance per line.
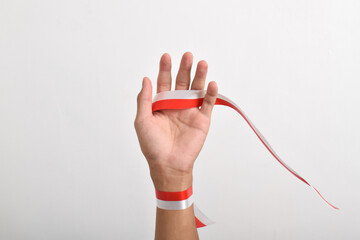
x=144 y=99
x=209 y=99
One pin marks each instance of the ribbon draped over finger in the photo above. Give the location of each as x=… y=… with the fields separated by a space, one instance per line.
x=184 y=99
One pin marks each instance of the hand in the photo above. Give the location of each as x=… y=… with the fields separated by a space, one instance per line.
x=171 y=140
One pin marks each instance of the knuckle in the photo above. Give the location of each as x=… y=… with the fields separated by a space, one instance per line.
x=138 y=97
x=136 y=123
x=163 y=85
x=182 y=83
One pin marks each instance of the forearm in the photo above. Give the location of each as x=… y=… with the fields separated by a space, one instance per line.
x=174 y=224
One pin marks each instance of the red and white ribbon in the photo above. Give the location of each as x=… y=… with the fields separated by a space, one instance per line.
x=180 y=201
x=175 y=200
x=184 y=99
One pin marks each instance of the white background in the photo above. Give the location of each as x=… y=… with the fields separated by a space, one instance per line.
x=70 y=164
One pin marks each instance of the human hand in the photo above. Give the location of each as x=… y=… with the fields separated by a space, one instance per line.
x=171 y=140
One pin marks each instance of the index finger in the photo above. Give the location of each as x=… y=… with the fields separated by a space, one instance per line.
x=164 y=77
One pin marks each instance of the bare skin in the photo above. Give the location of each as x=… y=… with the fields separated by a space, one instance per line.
x=171 y=140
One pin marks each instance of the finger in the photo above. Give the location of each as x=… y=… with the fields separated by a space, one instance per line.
x=183 y=76
x=209 y=99
x=164 y=77
x=144 y=100
x=200 y=76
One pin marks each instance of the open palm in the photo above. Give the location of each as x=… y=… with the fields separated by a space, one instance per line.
x=172 y=139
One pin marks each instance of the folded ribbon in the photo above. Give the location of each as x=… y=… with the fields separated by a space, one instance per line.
x=184 y=99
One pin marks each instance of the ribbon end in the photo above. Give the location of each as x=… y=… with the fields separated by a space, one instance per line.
x=201 y=219
x=329 y=204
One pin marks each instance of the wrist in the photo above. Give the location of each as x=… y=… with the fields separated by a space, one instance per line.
x=171 y=180
x=175 y=200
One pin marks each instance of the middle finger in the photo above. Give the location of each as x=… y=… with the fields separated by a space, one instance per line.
x=183 y=76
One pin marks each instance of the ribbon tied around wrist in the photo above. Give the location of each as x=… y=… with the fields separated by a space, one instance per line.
x=184 y=99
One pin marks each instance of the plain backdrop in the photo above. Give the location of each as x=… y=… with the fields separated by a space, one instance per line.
x=70 y=164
